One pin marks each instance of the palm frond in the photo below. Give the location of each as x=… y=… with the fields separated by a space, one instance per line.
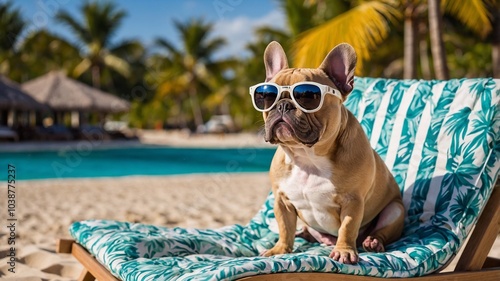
x=364 y=27
x=195 y=37
x=173 y=87
x=78 y=28
x=128 y=48
x=163 y=43
x=117 y=64
x=102 y=21
x=265 y=31
x=83 y=66
x=300 y=15
x=212 y=46
x=11 y=24
x=472 y=13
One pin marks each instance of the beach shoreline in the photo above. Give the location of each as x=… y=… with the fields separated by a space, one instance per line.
x=171 y=138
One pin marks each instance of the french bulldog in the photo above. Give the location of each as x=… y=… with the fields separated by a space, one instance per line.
x=324 y=170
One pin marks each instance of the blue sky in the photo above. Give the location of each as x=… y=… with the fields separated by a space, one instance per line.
x=149 y=19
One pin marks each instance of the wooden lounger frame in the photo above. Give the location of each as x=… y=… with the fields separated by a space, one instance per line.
x=474 y=262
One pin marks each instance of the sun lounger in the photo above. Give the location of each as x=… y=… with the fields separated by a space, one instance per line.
x=440 y=139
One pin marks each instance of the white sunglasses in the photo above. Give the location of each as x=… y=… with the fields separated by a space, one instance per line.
x=307 y=96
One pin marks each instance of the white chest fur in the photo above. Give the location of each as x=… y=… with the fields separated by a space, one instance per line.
x=310 y=190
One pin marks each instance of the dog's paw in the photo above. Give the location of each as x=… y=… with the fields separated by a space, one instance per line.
x=372 y=244
x=276 y=250
x=347 y=255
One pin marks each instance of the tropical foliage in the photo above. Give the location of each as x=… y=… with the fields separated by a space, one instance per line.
x=367 y=24
x=60 y=54
x=192 y=72
x=11 y=24
x=101 y=20
x=182 y=85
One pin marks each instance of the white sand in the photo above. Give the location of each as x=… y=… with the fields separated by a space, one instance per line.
x=46 y=208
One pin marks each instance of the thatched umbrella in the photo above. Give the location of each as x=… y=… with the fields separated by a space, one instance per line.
x=62 y=93
x=12 y=97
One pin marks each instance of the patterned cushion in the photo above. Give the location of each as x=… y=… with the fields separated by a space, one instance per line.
x=441 y=141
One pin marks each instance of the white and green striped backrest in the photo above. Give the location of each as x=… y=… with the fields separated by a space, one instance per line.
x=441 y=141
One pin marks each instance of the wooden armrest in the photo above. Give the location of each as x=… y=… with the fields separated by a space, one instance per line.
x=63 y=246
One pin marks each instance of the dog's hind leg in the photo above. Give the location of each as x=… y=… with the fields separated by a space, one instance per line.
x=312 y=235
x=388 y=228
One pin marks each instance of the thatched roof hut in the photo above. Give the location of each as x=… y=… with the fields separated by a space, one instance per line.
x=12 y=97
x=62 y=93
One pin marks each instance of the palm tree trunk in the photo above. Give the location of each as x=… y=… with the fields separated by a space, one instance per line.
x=96 y=76
x=437 y=44
x=195 y=105
x=495 y=42
x=424 y=52
x=410 y=43
x=181 y=117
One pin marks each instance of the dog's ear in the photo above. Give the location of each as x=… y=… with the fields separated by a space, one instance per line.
x=339 y=65
x=274 y=59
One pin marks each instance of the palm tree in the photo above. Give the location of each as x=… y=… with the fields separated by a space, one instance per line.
x=437 y=43
x=367 y=25
x=250 y=71
x=473 y=14
x=12 y=25
x=300 y=15
x=192 y=64
x=495 y=41
x=364 y=26
x=101 y=20
x=57 y=54
x=410 y=39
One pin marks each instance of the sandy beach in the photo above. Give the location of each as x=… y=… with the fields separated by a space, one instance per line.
x=46 y=208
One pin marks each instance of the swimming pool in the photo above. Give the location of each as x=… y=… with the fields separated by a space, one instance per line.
x=148 y=160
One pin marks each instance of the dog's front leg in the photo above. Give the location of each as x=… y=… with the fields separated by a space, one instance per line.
x=286 y=217
x=351 y=215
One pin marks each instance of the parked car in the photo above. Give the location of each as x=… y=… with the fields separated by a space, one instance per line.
x=53 y=133
x=8 y=134
x=218 y=124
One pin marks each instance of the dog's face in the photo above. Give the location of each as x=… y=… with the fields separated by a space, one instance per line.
x=287 y=124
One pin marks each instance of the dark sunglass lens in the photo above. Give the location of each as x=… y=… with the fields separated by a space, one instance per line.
x=265 y=96
x=307 y=96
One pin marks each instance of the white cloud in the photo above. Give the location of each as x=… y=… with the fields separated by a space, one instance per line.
x=239 y=31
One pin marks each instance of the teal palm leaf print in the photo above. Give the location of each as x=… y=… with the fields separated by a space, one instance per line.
x=410 y=127
x=462 y=167
x=485 y=125
x=445 y=148
x=457 y=125
x=372 y=102
x=419 y=196
x=356 y=96
x=478 y=87
x=153 y=246
x=487 y=178
x=465 y=207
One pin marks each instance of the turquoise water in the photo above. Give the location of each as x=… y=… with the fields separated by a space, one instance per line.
x=134 y=161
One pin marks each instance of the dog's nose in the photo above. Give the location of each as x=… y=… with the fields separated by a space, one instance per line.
x=285 y=105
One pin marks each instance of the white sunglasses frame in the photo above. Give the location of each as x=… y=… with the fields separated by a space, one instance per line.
x=325 y=89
